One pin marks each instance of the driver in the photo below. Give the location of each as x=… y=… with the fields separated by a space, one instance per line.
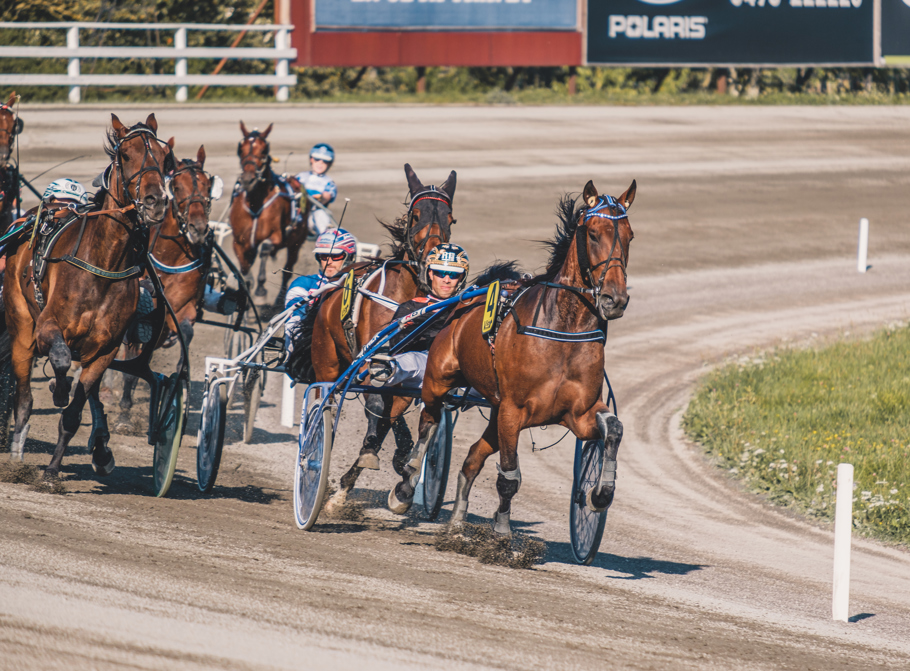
x=65 y=190
x=447 y=271
x=319 y=186
x=335 y=249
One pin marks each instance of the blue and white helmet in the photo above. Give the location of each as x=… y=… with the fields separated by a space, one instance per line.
x=323 y=152
x=336 y=241
x=66 y=189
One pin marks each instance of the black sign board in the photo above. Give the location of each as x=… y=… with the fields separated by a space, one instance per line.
x=895 y=30
x=730 y=32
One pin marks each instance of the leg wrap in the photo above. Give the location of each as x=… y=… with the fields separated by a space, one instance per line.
x=460 y=510
x=404 y=443
x=507 y=488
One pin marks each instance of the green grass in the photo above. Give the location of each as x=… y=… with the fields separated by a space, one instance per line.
x=783 y=422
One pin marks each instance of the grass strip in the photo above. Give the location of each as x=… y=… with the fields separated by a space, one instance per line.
x=784 y=420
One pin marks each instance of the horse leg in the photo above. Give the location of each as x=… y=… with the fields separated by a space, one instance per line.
x=126 y=398
x=61 y=359
x=404 y=443
x=509 y=480
x=473 y=464
x=186 y=328
x=22 y=360
x=71 y=417
x=601 y=496
x=102 y=457
x=265 y=250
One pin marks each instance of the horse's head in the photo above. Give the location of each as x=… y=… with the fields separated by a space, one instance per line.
x=602 y=243
x=141 y=161
x=255 y=160
x=429 y=218
x=192 y=191
x=10 y=126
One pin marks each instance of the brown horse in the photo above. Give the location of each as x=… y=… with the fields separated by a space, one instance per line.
x=427 y=223
x=10 y=126
x=181 y=251
x=89 y=290
x=261 y=207
x=546 y=363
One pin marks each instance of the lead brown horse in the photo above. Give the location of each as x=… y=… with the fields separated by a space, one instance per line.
x=181 y=251
x=428 y=222
x=546 y=363
x=89 y=291
x=261 y=210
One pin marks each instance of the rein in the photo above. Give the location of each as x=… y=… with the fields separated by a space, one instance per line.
x=415 y=252
x=603 y=210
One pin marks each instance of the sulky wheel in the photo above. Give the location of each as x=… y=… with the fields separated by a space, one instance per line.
x=253 y=384
x=312 y=469
x=436 y=466
x=171 y=415
x=236 y=342
x=585 y=525
x=210 y=441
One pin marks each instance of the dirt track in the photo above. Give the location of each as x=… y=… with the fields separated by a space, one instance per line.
x=745 y=226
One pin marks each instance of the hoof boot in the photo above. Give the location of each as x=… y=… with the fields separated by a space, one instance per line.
x=104 y=465
x=369 y=461
x=395 y=505
x=501 y=524
x=599 y=503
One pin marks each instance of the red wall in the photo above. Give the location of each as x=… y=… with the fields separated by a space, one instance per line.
x=412 y=48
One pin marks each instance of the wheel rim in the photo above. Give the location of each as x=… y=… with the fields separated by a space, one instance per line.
x=587 y=525
x=309 y=469
x=434 y=472
x=168 y=442
x=206 y=451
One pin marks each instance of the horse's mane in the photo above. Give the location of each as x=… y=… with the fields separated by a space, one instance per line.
x=568 y=211
x=111 y=139
x=398 y=232
x=498 y=270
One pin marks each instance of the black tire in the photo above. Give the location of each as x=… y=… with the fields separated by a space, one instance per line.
x=586 y=526
x=169 y=432
x=210 y=443
x=436 y=464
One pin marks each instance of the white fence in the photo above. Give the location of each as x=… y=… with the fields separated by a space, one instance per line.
x=281 y=53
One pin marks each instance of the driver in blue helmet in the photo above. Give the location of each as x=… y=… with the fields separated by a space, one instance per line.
x=319 y=186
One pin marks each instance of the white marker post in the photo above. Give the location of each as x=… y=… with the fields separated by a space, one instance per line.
x=863 y=250
x=843 y=526
x=287 y=402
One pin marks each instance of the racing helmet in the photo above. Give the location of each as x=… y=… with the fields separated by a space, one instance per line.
x=66 y=189
x=323 y=151
x=447 y=256
x=335 y=241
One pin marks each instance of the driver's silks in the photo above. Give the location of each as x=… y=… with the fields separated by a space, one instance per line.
x=347 y=297
x=490 y=309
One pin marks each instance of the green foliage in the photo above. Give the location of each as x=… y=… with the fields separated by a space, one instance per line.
x=783 y=423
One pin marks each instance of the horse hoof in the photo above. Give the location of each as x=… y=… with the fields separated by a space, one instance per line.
x=599 y=503
x=335 y=503
x=51 y=474
x=104 y=466
x=62 y=395
x=261 y=292
x=396 y=506
x=501 y=524
x=123 y=425
x=369 y=461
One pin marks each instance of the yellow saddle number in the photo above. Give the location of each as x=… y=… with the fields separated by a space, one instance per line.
x=490 y=308
x=347 y=297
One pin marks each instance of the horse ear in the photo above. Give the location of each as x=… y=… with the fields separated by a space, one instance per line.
x=414 y=184
x=116 y=124
x=264 y=134
x=627 y=198
x=170 y=143
x=449 y=186
x=200 y=155
x=590 y=194
x=152 y=123
x=12 y=99
x=244 y=130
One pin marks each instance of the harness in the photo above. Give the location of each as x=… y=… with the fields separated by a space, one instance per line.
x=181 y=212
x=280 y=189
x=358 y=290
x=415 y=252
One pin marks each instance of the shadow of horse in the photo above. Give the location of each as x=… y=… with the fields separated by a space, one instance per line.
x=633 y=568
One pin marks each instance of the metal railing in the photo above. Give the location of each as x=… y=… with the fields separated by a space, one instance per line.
x=281 y=53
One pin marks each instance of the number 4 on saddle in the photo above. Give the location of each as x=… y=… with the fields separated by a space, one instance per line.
x=348 y=291
x=492 y=317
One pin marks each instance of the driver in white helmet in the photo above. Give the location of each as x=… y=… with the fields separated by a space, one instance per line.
x=446 y=273
x=319 y=186
x=65 y=190
x=335 y=249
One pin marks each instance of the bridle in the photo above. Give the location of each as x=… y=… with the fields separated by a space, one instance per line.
x=147 y=135
x=181 y=208
x=418 y=253
x=606 y=208
x=261 y=162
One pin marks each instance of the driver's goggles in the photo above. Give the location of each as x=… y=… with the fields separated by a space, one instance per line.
x=340 y=256
x=449 y=274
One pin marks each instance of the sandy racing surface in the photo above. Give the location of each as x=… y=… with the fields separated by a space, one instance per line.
x=745 y=225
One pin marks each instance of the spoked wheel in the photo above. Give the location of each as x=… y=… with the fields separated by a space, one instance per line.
x=211 y=437
x=312 y=469
x=253 y=384
x=436 y=464
x=586 y=526
x=171 y=415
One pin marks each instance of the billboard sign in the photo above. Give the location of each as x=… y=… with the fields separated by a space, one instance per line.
x=447 y=14
x=730 y=32
x=896 y=31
